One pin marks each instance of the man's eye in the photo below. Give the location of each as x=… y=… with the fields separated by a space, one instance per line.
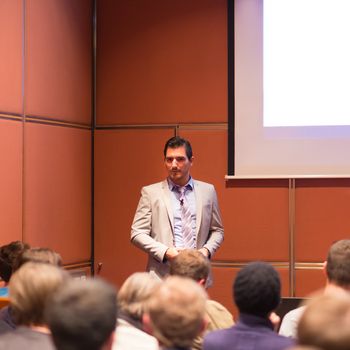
x=178 y=159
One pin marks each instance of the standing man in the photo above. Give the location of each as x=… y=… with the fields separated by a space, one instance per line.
x=177 y=213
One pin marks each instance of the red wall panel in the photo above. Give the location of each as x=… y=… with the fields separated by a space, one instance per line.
x=309 y=281
x=161 y=61
x=11 y=51
x=10 y=181
x=125 y=160
x=59 y=59
x=57 y=190
x=322 y=216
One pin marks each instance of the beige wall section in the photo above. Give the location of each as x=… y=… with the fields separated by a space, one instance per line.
x=57 y=190
x=125 y=160
x=161 y=61
x=10 y=180
x=11 y=52
x=58 y=59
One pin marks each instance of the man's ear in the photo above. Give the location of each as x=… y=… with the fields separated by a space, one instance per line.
x=191 y=160
x=324 y=268
x=147 y=324
x=202 y=282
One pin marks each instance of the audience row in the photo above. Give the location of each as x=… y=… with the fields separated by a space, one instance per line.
x=49 y=309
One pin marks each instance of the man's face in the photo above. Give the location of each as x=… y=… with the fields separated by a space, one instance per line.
x=178 y=165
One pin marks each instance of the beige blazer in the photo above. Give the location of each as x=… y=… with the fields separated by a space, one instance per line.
x=153 y=226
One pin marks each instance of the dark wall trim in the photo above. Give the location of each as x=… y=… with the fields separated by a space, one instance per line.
x=12 y=117
x=230 y=88
x=55 y=122
x=93 y=125
x=163 y=126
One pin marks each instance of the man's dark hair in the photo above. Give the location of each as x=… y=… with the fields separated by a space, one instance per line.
x=257 y=289
x=338 y=263
x=176 y=142
x=190 y=263
x=9 y=254
x=82 y=315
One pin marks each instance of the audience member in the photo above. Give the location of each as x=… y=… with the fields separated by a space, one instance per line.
x=256 y=292
x=41 y=255
x=175 y=313
x=325 y=323
x=82 y=315
x=4 y=327
x=8 y=257
x=192 y=264
x=30 y=288
x=132 y=296
x=337 y=268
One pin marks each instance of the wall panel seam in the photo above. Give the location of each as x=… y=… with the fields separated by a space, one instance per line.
x=190 y=126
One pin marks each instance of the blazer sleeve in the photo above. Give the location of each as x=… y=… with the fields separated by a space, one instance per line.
x=216 y=230
x=141 y=229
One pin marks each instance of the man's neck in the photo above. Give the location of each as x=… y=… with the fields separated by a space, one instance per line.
x=182 y=183
x=334 y=288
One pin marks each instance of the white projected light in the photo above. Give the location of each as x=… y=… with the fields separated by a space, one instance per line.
x=306 y=63
x=291 y=88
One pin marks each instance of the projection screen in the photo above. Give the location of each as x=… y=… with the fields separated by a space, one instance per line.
x=291 y=88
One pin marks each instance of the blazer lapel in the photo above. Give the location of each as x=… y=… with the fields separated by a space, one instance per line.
x=198 y=195
x=167 y=201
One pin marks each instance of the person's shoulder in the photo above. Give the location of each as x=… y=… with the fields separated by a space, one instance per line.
x=155 y=186
x=219 y=334
x=215 y=304
x=295 y=314
x=217 y=339
x=219 y=316
x=290 y=321
x=216 y=307
x=203 y=185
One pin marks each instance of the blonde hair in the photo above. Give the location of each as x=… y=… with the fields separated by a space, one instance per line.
x=176 y=311
x=325 y=322
x=30 y=287
x=134 y=292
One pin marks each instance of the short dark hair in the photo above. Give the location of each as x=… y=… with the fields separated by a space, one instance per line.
x=176 y=142
x=82 y=314
x=338 y=263
x=325 y=322
x=9 y=254
x=190 y=263
x=257 y=289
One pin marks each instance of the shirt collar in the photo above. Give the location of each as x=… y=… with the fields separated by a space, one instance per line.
x=255 y=320
x=173 y=186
